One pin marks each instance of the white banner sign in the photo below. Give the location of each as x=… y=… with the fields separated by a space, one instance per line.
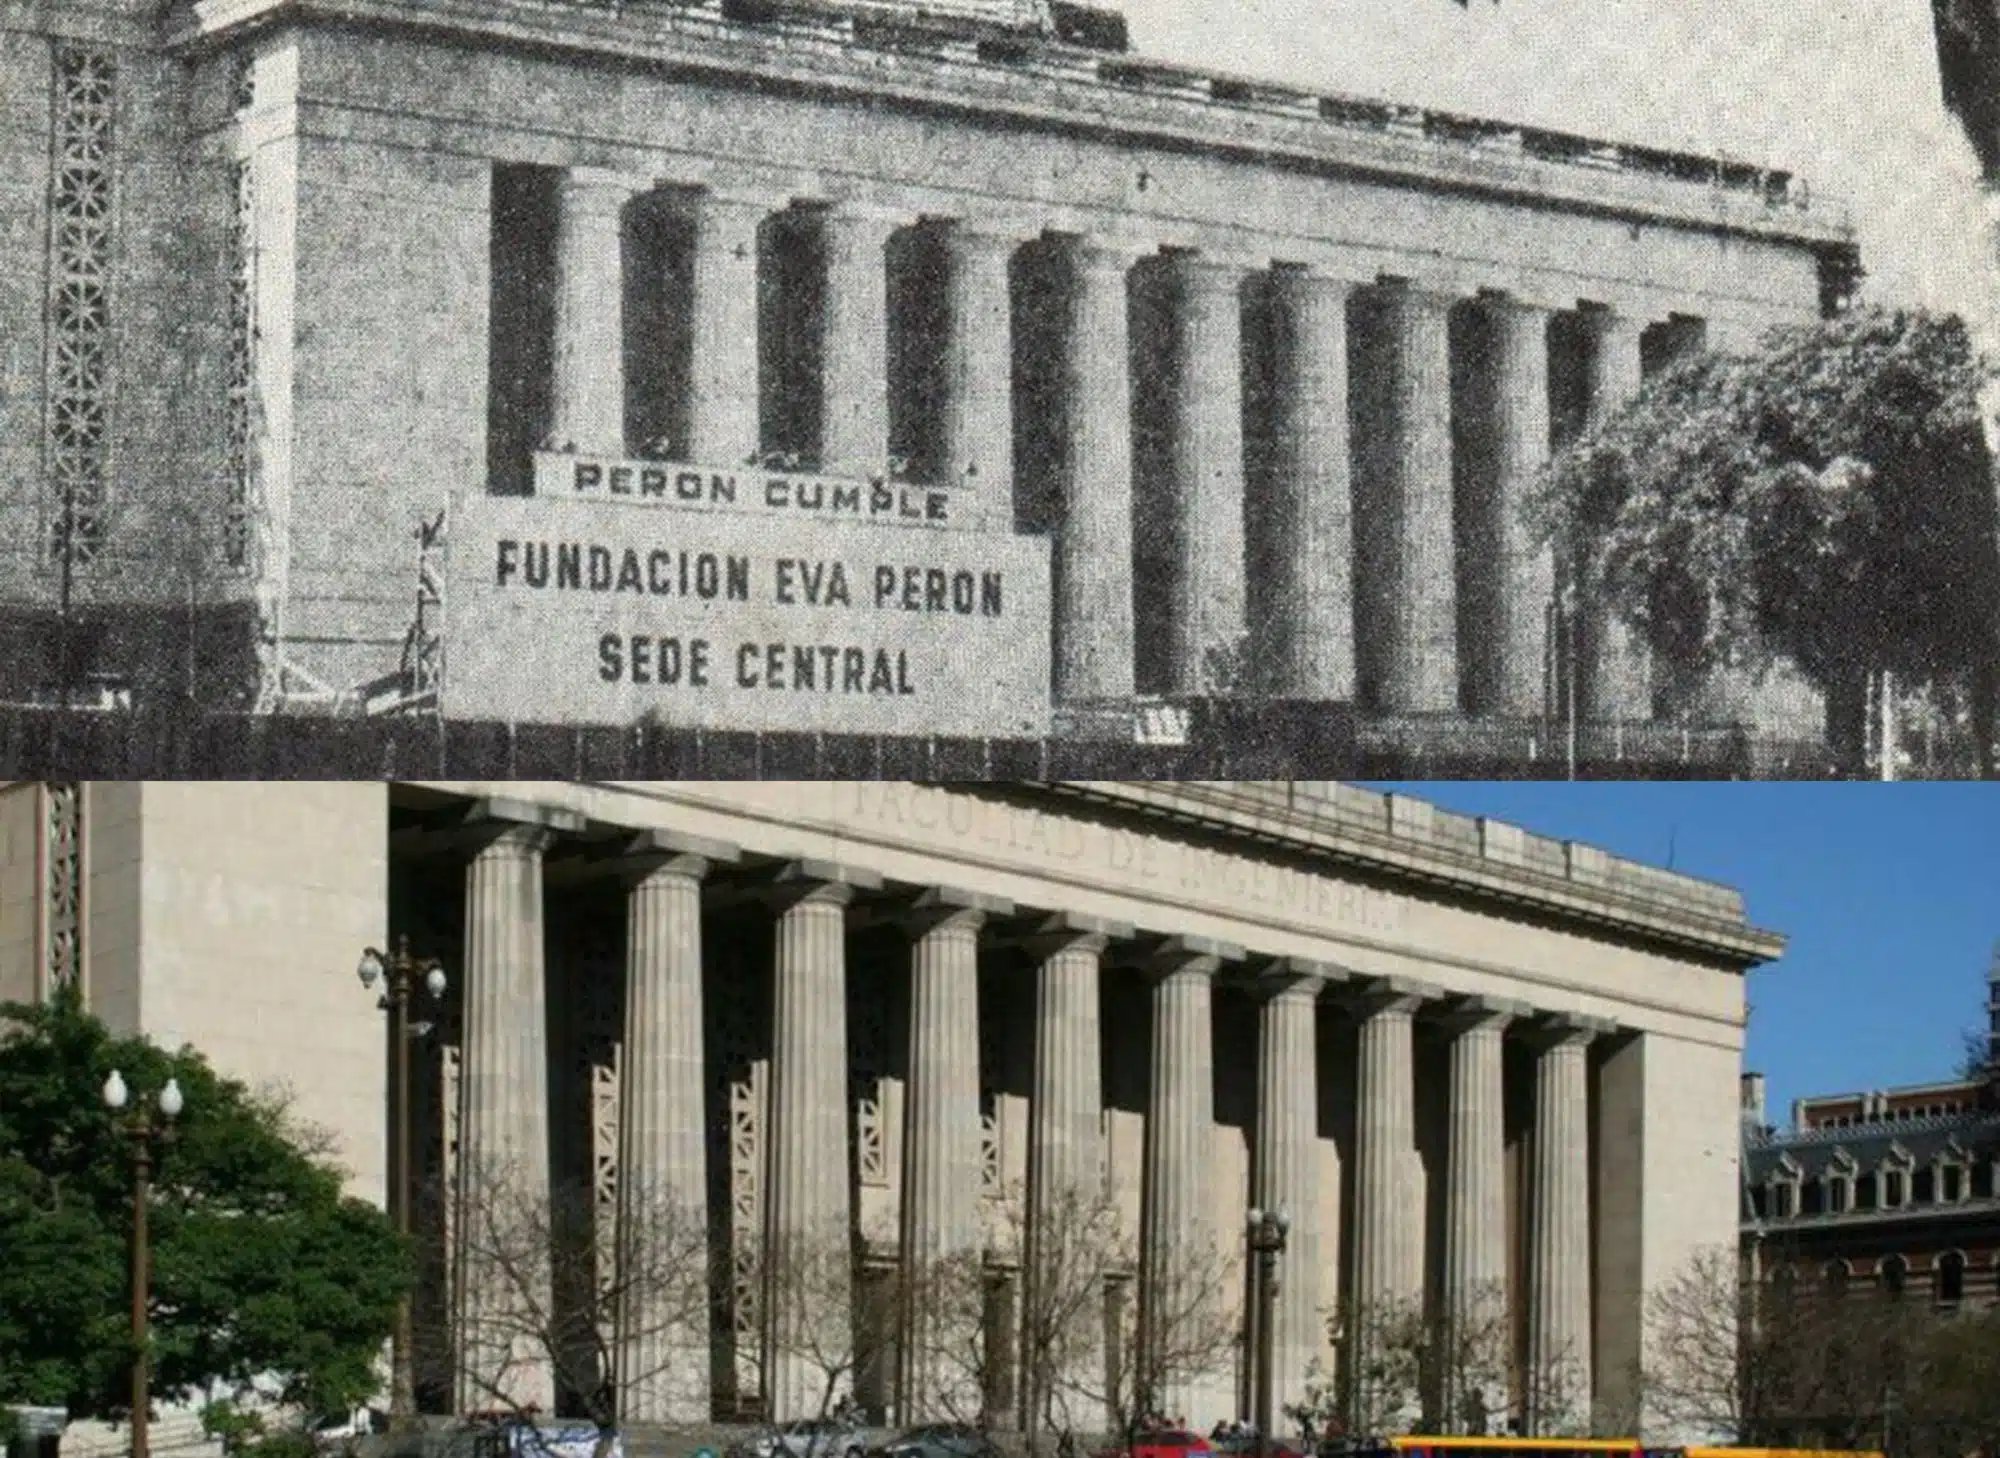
x=557 y=611
x=708 y=488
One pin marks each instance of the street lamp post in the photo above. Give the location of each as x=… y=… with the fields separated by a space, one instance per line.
x=145 y=1129
x=400 y=975
x=1267 y=1231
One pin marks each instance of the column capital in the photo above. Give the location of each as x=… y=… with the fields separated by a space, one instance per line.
x=1069 y=930
x=1391 y=997
x=1420 y=293
x=936 y=907
x=520 y=825
x=826 y=883
x=1513 y=303
x=1101 y=253
x=692 y=856
x=1613 y=319
x=1187 y=956
x=1318 y=278
x=864 y=219
x=1294 y=977
x=1481 y=1014
x=602 y=185
x=1551 y=1032
x=732 y=201
x=983 y=232
x=1205 y=268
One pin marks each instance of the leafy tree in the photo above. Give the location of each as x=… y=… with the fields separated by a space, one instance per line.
x=262 y=1269
x=1828 y=499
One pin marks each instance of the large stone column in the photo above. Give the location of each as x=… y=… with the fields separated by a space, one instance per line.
x=1387 y=1249
x=1204 y=495
x=1412 y=606
x=587 y=408
x=662 y=1320
x=854 y=349
x=1093 y=566
x=941 y=1178
x=503 y=1189
x=1305 y=636
x=1476 y=1320
x=978 y=424
x=808 y=1219
x=1180 y=1252
x=1285 y=1163
x=1066 y=1195
x=1618 y=672
x=1557 y=1385
x=723 y=419
x=1525 y=571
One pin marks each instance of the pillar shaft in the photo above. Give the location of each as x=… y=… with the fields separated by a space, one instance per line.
x=978 y=423
x=1477 y=1330
x=1413 y=604
x=941 y=1168
x=1065 y=1176
x=723 y=422
x=1286 y=1174
x=854 y=350
x=1618 y=673
x=1176 y=1237
x=807 y=1211
x=1093 y=567
x=587 y=409
x=1525 y=569
x=1388 y=1274
x=1204 y=505
x=662 y=1334
x=1306 y=631
x=1558 y=1385
x=503 y=1148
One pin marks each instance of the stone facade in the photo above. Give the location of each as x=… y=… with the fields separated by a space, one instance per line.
x=911 y=1023
x=1270 y=369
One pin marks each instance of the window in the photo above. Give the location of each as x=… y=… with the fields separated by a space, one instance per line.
x=1837 y=1194
x=1781 y=1201
x=1895 y=1275
x=1951 y=1180
x=1760 y=1205
x=1892 y=1189
x=1950 y=1271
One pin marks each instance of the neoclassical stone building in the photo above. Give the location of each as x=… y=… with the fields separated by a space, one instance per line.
x=1260 y=376
x=913 y=1019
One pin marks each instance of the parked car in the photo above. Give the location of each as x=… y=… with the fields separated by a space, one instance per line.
x=1244 y=1445
x=807 y=1438
x=1162 y=1443
x=938 y=1440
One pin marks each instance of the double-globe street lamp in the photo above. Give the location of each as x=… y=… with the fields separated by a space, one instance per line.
x=146 y=1129
x=400 y=974
x=1267 y=1231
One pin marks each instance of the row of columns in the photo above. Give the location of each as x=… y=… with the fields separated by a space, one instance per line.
x=1401 y=522
x=807 y=1201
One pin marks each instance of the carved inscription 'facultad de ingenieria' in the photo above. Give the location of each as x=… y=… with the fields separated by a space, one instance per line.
x=1180 y=869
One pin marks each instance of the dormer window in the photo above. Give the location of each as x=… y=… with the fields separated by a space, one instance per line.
x=1951 y=1184
x=1837 y=1194
x=1781 y=1200
x=1892 y=1189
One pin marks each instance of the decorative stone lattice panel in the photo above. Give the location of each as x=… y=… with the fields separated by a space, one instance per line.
x=741 y=1088
x=869 y=1042
x=240 y=380
x=63 y=894
x=599 y=1051
x=81 y=253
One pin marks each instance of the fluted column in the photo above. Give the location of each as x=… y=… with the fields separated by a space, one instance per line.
x=941 y=1164
x=1178 y=1249
x=1066 y=1194
x=1558 y=1376
x=1204 y=497
x=587 y=408
x=1093 y=567
x=1619 y=673
x=807 y=1203
x=662 y=1322
x=1478 y=1332
x=854 y=350
x=978 y=423
x=1413 y=607
x=1388 y=1259
x=723 y=420
x=503 y=1186
x=1306 y=632
x=1285 y=1173
x=1524 y=569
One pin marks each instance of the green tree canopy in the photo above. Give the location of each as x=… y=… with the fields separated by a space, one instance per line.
x=1829 y=498
x=262 y=1268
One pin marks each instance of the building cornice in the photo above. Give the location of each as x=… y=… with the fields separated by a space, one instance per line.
x=1126 y=99
x=1432 y=850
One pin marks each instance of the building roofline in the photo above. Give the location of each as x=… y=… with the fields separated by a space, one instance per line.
x=1138 y=100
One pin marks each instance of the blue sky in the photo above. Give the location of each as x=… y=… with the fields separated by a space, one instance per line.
x=1890 y=895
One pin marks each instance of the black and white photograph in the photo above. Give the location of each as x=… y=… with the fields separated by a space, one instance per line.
x=989 y=389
